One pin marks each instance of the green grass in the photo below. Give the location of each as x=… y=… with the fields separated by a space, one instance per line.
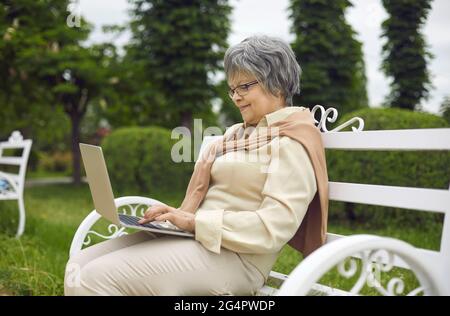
x=38 y=174
x=34 y=264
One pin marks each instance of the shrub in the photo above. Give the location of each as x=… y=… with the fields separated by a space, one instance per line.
x=55 y=162
x=426 y=169
x=139 y=161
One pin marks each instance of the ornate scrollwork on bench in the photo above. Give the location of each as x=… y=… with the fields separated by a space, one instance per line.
x=370 y=260
x=130 y=205
x=330 y=115
x=371 y=267
x=136 y=209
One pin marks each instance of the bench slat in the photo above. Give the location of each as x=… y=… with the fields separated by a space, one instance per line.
x=430 y=200
x=13 y=176
x=405 y=139
x=316 y=290
x=21 y=144
x=11 y=161
x=332 y=237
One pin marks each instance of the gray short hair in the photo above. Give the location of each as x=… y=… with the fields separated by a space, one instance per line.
x=270 y=60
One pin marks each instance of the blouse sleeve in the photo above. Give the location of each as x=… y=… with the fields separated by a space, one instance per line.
x=289 y=188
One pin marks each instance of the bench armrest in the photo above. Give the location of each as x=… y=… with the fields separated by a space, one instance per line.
x=131 y=205
x=372 y=249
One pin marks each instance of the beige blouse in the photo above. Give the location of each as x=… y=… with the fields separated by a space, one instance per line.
x=257 y=199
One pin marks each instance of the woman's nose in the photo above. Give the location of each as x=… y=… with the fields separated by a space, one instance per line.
x=236 y=97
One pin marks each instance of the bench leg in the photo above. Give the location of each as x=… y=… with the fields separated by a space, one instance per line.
x=21 y=227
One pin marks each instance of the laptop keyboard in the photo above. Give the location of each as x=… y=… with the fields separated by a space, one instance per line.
x=133 y=221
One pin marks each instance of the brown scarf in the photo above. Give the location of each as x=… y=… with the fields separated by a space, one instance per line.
x=298 y=126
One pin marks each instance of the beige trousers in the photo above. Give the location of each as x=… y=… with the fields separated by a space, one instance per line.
x=146 y=264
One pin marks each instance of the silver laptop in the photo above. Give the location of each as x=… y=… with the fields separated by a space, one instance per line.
x=103 y=197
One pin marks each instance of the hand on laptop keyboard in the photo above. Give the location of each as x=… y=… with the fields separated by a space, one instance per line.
x=182 y=220
x=166 y=224
x=133 y=220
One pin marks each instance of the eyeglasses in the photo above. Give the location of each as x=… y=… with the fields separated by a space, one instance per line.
x=241 y=89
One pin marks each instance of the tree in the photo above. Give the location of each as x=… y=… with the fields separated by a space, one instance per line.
x=445 y=109
x=179 y=44
x=44 y=66
x=333 y=71
x=77 y=77
x=21 y=93
x=229 y=112
x=134 y=101
x=405 y=56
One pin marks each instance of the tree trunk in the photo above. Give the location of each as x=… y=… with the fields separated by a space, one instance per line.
x=186 y=119
x=76 y=172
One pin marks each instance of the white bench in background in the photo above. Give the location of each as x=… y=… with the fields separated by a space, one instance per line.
x=430 y=267
x=15 y=180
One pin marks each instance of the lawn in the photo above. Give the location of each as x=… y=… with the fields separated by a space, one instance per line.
x=34 y=264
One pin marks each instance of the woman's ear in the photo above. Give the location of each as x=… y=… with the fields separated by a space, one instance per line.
x=280 y=95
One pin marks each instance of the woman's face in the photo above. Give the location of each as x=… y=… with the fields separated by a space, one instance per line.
x=257 y=102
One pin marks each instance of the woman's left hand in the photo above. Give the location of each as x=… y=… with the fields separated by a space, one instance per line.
x=182 y=219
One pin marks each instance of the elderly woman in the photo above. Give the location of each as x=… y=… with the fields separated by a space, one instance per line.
x=261 y=186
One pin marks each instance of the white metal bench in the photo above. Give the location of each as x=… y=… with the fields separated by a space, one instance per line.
x=15 y=180
x=359 y=257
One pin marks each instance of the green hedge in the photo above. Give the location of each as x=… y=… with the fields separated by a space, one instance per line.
x=429 y=169
x=139 y=161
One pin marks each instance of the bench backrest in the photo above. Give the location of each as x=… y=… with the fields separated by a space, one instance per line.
x=417 y=199
x=16 y=142
x=412 y=198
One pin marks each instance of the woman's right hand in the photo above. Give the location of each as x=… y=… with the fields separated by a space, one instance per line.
x=154 y=211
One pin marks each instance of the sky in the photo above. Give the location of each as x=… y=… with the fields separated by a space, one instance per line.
x=270 y=17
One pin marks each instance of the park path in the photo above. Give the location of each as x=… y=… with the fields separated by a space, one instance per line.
x=48 y=181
